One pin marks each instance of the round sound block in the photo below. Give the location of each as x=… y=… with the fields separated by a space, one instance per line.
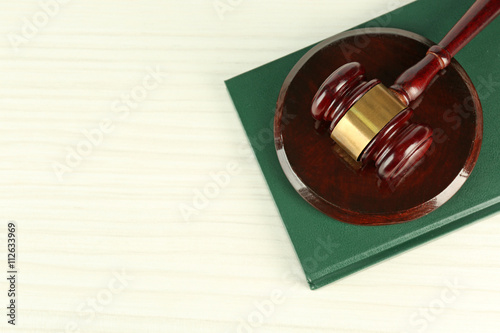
x=326 y=177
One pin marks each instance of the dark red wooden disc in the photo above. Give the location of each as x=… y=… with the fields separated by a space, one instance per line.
x=329 y=180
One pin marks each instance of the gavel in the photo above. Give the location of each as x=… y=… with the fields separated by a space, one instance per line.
x=372 y=122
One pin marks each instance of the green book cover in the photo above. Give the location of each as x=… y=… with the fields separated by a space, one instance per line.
x=328 y=249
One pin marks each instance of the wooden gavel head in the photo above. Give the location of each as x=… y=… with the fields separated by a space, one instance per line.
x=370 y=122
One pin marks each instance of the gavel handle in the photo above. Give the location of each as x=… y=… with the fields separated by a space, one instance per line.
x=413 y=82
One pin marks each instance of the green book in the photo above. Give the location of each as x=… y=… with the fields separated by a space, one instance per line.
x=328 y=249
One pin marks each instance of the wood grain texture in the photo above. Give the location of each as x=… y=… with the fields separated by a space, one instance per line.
x=118 y=209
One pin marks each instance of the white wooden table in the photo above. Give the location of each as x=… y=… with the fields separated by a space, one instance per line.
x=114 y=114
